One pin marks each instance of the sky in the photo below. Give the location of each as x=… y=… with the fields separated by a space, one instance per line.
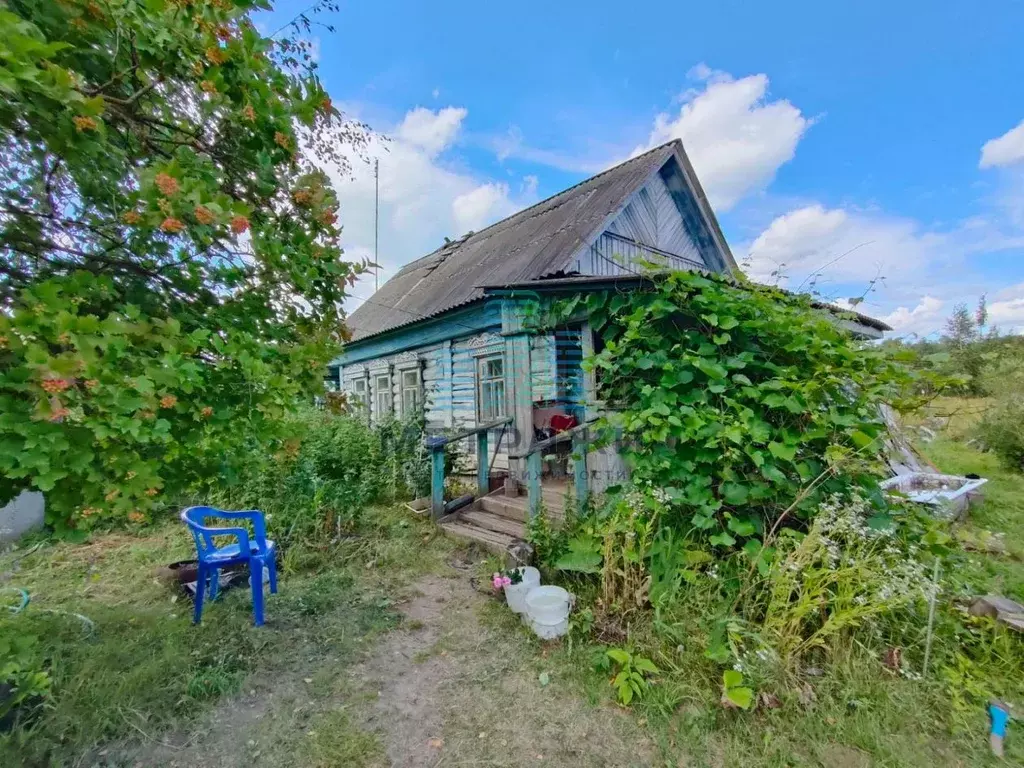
x=870 y=150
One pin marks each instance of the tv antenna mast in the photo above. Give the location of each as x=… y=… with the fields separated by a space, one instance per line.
x=376 y=219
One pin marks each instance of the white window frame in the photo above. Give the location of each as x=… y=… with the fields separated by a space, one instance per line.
x=415 y=389
x=379 y=391
x=361 y=397
x=485 y=383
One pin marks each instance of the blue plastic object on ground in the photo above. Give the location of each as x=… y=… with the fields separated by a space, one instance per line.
x=257 y=551
x=1000 y=715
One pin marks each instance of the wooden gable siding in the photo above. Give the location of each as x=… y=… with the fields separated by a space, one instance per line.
x=650 y=218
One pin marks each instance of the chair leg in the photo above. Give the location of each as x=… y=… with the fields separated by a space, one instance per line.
x=272 y=567
x=214 y=583
x=256 y=579
x=197 y=615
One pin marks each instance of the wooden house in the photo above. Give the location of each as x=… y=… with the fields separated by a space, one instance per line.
x=447 y=333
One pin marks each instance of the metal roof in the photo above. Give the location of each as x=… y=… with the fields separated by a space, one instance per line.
x=531 y=244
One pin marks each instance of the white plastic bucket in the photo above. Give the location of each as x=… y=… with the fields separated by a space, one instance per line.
x=547 y=609
x=515 y=594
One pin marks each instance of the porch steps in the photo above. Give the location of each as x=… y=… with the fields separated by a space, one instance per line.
x=496 y=521
x=498 y=543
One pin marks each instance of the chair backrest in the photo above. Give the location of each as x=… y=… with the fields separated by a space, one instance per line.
x=195 y=519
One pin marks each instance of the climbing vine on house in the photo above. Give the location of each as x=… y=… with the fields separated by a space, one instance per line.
x=746 y=405
x=171 y=275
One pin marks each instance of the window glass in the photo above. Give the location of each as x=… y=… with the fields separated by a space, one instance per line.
x=360 y=394
x=382 y=385
x=490 y=389
x=410 y=390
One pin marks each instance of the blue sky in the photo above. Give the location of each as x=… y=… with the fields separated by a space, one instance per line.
x=892 y=132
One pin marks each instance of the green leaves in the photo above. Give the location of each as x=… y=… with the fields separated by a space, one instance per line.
x=583 y=556
x=738 y=396
x=734 y=693
x=633 y=670
x=179 y=271
x=782 y=451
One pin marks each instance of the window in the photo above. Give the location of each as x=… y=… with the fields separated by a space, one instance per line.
x=490 y=396
x=410 y=390
x=382 y=391
x=360 y=393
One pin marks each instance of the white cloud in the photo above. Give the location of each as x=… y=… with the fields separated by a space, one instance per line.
x=424 y=195
x=926 y=318
x=1006 y=309
x=1004 y=150
x=481 y=205
x=821 y=246
x=431 y=131
x=735 y=135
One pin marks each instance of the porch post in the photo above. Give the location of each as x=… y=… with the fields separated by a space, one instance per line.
x=436 y=446
x=579 y=467
x=483 y=485
x=518 y=384
x=533 y=482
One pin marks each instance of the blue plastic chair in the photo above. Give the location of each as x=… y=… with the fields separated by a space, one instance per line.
x=257 y=551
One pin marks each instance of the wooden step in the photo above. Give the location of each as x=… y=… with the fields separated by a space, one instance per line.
x=512 y=507
x=490 y=540
x=492 y=522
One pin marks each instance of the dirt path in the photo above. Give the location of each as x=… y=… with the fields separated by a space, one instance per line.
x=442 y=689
x=452 y=691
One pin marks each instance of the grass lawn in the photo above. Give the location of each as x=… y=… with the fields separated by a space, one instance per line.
x=382 y=650
x=146 y=670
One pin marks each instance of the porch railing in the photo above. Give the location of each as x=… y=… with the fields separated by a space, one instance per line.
x=436 y=446
x=580 y=439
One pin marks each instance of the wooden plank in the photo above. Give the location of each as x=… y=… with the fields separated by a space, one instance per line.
x=495 y=542
x=495 y=523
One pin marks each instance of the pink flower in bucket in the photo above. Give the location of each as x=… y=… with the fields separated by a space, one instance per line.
x=500 y=581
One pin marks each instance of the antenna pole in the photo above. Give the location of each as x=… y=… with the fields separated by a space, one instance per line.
x=376 y=218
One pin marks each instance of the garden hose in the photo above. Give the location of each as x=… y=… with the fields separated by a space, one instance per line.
x=90 y=625
x=24 y=599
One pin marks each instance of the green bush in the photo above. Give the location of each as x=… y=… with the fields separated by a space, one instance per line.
x=320 y=481
x=22 y=677
x=1001 y=429
x=746 y=405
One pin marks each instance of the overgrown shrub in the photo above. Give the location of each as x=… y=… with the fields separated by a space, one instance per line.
x=746 y=405
x=843 y=573
x=22 y=677
x=321 y=481
x=1001 y=429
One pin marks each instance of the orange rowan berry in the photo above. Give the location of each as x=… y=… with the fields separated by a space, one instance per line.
x=84 y=123
x=166 y=183
x=216 y=55
x=204 y=215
